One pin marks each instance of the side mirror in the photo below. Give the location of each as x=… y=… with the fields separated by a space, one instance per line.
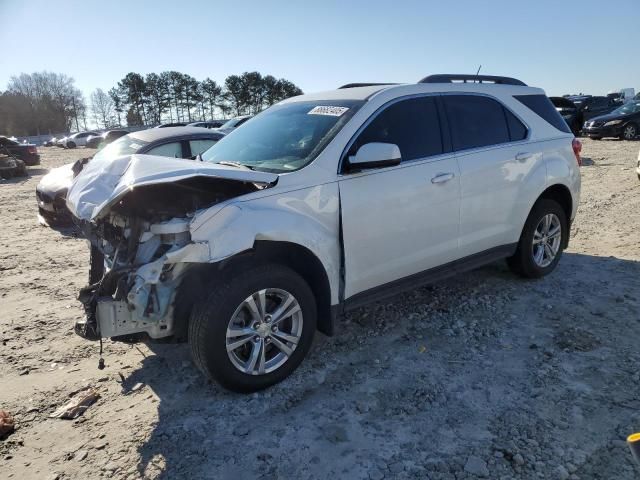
x=375 y=155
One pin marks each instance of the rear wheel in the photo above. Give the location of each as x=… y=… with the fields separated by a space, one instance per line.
x=71 y=144
x=253 y=331
x=542 y=240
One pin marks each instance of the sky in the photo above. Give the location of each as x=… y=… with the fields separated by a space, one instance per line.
x=563 y=46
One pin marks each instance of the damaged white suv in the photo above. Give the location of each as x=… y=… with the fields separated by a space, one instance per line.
x=320 y=204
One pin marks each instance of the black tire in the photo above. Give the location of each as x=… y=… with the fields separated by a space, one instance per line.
x=71 y=145
x=522 y=262
x=595 y=138
x=629 y=132
x=96 y=265
x=210 y=318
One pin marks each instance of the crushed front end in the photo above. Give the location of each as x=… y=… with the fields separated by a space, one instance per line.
x=137 y=213
x=136 y=267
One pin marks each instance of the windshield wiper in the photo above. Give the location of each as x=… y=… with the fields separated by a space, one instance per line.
x=235 y=164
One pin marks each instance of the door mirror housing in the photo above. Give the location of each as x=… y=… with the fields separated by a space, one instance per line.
x=375 y=155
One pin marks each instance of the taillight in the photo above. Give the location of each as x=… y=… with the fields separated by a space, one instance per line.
x=32 y=150
x=577 y=149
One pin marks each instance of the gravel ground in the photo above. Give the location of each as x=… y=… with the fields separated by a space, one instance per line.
x=483 y=376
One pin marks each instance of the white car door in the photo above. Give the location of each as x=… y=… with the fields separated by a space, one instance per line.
x=402 y=220
x=497 y=165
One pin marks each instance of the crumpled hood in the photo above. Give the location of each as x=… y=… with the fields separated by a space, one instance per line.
x=610 y=116
x=103 y=182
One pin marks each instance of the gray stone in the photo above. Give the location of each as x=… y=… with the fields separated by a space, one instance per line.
x=476 y=466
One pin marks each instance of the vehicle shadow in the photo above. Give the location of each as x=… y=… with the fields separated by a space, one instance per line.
x=204 y=431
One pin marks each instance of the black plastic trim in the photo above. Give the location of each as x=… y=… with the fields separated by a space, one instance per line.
x=461 y=77
x=356 y=85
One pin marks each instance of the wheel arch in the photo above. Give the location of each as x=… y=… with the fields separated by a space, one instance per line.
x=200 y=278
x=559 y=193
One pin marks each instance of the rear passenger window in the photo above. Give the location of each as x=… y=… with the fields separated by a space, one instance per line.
x=475 y=121
x=542 y=106
x=412 y=124
x=517 y=130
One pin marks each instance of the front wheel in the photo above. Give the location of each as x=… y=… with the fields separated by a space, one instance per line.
x=542 y=240
x=254 y=330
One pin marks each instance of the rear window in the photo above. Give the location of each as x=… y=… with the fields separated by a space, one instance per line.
x=543 y=107
x=476 y=121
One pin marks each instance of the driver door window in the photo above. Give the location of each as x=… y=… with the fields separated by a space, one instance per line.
x=411 y=124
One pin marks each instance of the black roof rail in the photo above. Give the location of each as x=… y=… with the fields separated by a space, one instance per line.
x=355 y=85
x=450 y=78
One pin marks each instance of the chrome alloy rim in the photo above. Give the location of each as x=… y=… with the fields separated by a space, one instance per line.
x=546 y=240
x=629 y=132
x=264 y=331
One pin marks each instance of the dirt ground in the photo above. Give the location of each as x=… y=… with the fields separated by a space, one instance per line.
x=484 y=375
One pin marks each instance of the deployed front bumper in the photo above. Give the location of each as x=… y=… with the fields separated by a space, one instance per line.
x=603 y=131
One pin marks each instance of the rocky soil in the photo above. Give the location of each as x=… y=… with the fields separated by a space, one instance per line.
x=483 y=376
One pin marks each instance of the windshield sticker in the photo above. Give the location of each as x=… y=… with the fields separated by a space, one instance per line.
x=326 y=110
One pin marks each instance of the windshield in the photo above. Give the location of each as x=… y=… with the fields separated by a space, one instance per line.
x=285 y=137
x=123 y=146
x=628 y=108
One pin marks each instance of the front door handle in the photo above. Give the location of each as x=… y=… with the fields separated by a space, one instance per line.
x=442 y=177
x=523 y=156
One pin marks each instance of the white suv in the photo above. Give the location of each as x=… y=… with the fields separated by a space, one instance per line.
x=318 y=205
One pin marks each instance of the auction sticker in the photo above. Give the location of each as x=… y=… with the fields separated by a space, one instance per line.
x=327 y=110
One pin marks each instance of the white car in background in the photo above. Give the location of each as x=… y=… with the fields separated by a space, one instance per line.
x=76 y=140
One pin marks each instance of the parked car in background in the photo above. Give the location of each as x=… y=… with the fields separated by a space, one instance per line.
x=172 y=124
x=230 y=125
x=321 y=204
x=77 y=139
x=95 y=141
x=27 y=152
x=638 y=166
x=208 y=124
x=51 y=142
x=623 y=123
x=622 y=96
x=178 y=142
x=11 y=166
x=569 y=112
x=593 y=106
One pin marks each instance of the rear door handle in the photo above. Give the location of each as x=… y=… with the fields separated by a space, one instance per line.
x=442 y=177
x=523 y=156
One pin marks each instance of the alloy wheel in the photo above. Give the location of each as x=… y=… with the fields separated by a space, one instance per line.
x=264 y=331
x=546 y=240
x=629 y=132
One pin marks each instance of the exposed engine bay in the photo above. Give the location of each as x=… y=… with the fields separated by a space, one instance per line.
x=141 y=250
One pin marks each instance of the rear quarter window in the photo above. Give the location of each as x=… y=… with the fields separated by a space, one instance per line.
x=543 y=107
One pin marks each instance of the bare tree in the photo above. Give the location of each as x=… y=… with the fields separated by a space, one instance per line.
x=102 y=108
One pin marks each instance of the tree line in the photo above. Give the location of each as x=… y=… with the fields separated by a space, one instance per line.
x=46 y=102
x=41 y=103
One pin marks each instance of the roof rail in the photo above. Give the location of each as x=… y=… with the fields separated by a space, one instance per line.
x=355 y=85
x=450 y=78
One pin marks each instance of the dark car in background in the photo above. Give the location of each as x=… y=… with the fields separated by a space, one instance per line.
x=11 y=166
x=27 y=152
x=208 y=124
x=593 y=106
x=623 y=123
x=94 y=141
x=569 y=112
x=178 y=142
x=172 y=124
x=230 y=125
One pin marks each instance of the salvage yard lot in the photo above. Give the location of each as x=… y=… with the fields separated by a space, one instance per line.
x=484 y=375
